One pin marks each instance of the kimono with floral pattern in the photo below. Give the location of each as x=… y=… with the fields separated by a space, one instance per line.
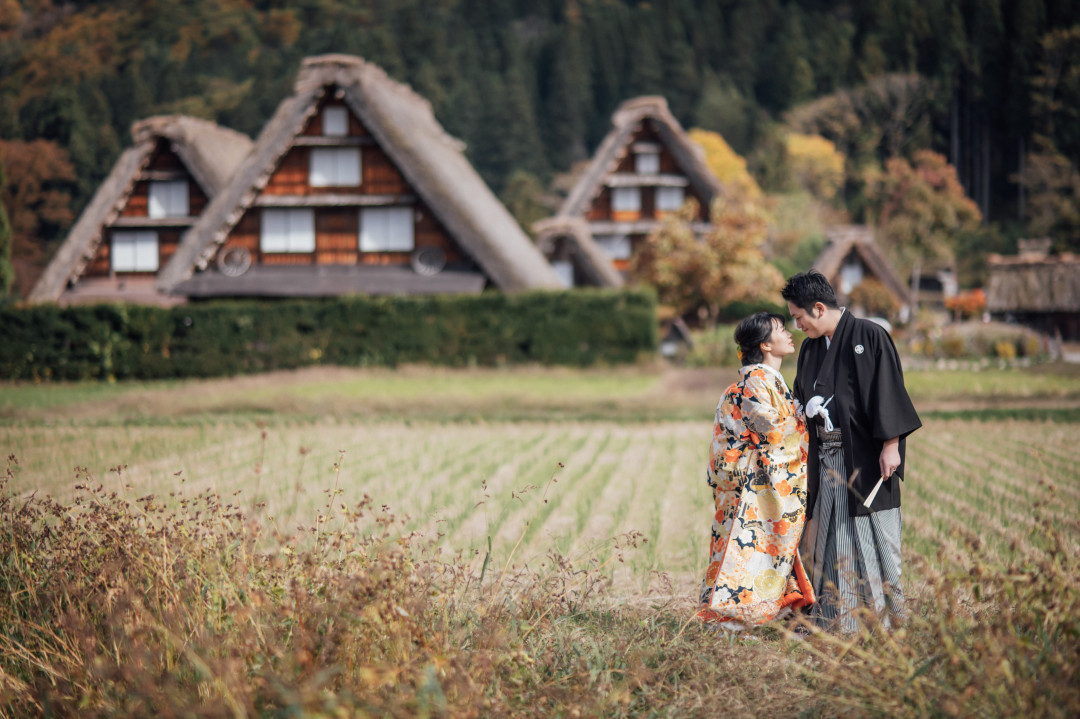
x=757 y=470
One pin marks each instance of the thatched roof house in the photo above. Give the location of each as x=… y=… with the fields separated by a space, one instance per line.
x=568 y=245
x=1037 y=289
x=354 y=186
x=850 y=257
x=645 y=168
x=134 y=222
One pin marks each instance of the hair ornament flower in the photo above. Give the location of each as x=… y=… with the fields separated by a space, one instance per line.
x=738 y=352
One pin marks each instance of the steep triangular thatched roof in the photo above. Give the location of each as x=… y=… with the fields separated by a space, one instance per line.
x=587 y=255
x=405 y=127
x=626 y=121
x=211 y=154
x=1048 y=283
x=845 y=239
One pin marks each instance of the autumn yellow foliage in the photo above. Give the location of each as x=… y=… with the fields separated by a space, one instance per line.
x=815 y=163
x=728 y=166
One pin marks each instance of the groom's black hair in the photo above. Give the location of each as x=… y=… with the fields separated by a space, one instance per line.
x=754 y=330
x=807 y=288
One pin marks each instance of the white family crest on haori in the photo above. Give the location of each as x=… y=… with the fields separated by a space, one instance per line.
x=858 y=349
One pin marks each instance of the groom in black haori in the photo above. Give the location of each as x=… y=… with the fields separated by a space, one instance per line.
x=858 y=413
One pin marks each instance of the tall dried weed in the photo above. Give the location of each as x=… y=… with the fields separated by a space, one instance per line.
x=188 y=606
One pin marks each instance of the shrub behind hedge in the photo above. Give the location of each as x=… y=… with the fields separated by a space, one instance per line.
x=581 y=327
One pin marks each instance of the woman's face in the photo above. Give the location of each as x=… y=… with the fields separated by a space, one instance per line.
x=780 y=342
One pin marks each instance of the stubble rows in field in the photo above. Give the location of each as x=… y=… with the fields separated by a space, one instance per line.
x=995 y=480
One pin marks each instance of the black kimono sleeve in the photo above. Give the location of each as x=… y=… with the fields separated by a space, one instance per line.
x=884 y=397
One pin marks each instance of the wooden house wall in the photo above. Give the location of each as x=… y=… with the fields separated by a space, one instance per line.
x=337 y=229
x=138 y=204
x=601 y=206
x=336 y=232
x=378 y=176
x=163 y=159
x=337 y=239
x=291 y=175
x=600 y=210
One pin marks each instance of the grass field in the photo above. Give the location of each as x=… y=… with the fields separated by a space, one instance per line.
x=542 y=467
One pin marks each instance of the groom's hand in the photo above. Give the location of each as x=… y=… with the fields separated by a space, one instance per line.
x=889 y=461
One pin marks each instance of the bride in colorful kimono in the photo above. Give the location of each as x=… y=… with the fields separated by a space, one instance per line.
x=757 y=471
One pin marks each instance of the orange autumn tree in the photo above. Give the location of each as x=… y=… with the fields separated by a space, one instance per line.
x=7 y=272
x=708 y=273
x=920 y=208
x=37 y=200
x=965 y=305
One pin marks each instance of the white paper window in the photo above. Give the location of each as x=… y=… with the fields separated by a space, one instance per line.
x=565 y=271
x=134 y=251
x=669 y=199
x=851 y=275
x=647 y=163
x=617 y=247
x=626 y=199
x=386 y=229
x=169 y=198
x=291 y=230
x=335 y=166
x=335 y=121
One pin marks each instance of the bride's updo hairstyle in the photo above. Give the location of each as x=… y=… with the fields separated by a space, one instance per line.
x=751 y=332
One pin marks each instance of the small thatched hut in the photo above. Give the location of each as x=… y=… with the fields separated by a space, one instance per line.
x=850 y=258
x=1036 y=289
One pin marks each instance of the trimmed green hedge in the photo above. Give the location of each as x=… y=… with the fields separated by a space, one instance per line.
x=580 y=327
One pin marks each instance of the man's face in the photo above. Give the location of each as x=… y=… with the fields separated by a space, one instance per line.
x=812 y=322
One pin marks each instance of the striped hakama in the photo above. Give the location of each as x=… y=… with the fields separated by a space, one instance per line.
x=856 y=560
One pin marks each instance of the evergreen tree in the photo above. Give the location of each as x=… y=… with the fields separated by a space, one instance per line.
x=787 y=78
x=681 y=84
x=565 y=87
x=723 y=109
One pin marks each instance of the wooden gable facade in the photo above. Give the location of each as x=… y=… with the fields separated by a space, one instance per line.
x=339 y=200
x=645 y=169
x=163 y=203
x=133 y=225
x=353 y=187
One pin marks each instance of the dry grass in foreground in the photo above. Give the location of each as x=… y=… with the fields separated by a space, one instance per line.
x=116 y=608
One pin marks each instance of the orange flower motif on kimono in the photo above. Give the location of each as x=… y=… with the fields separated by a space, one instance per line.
x=757 y=471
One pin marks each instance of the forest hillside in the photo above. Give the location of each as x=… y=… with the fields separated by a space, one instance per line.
x=987 y=91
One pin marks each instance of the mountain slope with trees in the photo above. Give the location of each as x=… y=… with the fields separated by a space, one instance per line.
x=991 y=85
